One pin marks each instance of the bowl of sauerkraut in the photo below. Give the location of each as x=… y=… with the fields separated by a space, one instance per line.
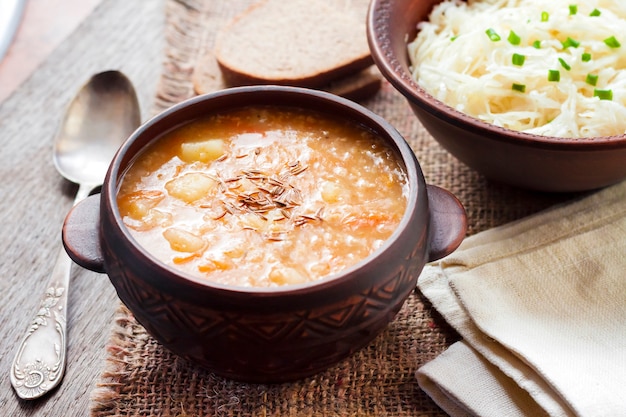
x=527 y=92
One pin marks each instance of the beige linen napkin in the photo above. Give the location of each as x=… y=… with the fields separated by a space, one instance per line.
x=541 y=306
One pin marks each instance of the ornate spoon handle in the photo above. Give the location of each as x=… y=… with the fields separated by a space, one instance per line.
x=40 y=361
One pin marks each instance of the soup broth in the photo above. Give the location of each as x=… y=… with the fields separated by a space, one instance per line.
x=264 y=196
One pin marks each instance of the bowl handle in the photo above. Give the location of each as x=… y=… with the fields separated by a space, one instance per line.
x=81 y=236
x=448 y=222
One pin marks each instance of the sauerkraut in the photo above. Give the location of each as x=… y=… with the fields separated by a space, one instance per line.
x=554 y=68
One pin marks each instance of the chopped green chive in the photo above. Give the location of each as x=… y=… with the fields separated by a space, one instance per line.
x=513 y=38
x=545 y=16
x=603 y=94
x=573 y=9
x=493 y=35
x=453 y=38
x=518 y=87
x=570 y=42
x=595 y=12
x=537 y=44
x=565 y=64
x=554 y=75
x=592 y=79
x=612 y=42
x=586 y=57
x=518 y=59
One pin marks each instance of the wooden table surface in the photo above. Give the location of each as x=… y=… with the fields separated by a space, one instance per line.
x=44 y=25
x=34 y=199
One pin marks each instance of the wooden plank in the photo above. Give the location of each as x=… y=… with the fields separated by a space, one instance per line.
x=44 y=25
x=34 y=199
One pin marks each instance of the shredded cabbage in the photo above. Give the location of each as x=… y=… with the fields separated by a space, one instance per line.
x=464 y=57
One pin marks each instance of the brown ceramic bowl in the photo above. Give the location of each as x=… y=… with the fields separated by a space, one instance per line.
x=261 y=334
x=521 y=159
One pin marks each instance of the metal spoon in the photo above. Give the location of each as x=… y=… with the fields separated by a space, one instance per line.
x=103 y=114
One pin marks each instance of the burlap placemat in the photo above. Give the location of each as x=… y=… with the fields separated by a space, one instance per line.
x=143 y=379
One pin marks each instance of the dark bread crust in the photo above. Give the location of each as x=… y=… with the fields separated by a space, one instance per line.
x=235 y=77
x=356 y=86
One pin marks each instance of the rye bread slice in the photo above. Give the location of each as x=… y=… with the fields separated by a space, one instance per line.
x=307 y=43
x=207 y=77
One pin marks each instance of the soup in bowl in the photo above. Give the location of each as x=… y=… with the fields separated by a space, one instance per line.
x=264 y=196
x=264 y=233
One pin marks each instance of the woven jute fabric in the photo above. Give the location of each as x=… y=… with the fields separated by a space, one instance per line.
x=141 y=378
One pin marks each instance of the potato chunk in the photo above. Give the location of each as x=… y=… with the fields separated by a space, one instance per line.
x=205 y=151
x=138 y=204
x=153 y=218
x=190 y=187
x=285 y=275
x=331 y=192
x=183 y=241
